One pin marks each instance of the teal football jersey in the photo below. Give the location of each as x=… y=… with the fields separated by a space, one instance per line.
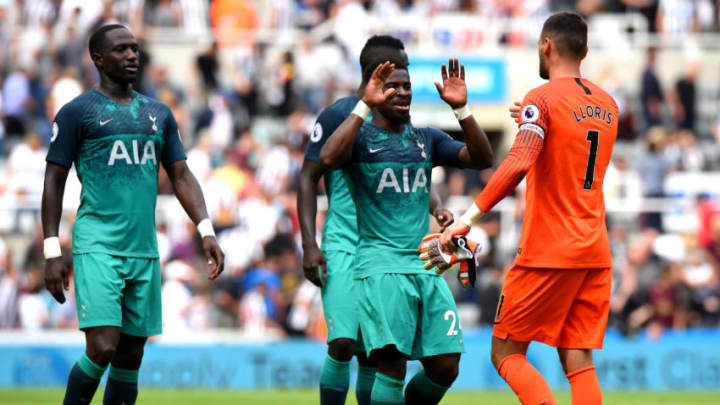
x=116 y=149
x=340 y=229
x=389 y=179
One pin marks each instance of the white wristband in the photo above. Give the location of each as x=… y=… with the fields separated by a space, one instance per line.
x=462 y=112
x=51 y=247
x=471 y=215
x=205 y=228
x=361 y=109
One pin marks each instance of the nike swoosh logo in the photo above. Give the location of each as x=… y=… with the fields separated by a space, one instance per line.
x=371 y=150
x=105 y=122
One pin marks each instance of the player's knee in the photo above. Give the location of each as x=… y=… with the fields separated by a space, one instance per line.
x=447 y=370
x=341 y=349
x=575 y=359
x=391 y=362
x=448 y=373
x=496 y=357
x=443 y=369
x=102 y=352
x=366 y=361
x=129 y=357
x=134 y=354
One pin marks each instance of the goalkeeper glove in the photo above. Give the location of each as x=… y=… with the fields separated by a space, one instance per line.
x=462 y=258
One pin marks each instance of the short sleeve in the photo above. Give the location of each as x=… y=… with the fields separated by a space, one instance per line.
x=173 y=148
x=534 y=115
x=66 y=136
x=446 y=150
x=325 y=125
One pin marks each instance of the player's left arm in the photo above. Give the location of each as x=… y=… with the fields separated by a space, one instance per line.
x=188 y=192
x=524 y=152
x=477 y=153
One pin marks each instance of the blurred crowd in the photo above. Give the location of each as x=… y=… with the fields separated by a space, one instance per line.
x=245 y=125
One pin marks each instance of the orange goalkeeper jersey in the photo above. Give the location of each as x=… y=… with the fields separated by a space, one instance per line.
x=564 y=223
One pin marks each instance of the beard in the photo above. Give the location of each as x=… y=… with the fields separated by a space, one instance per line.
x=398 y=119
x=402 y=119
x=394 y=116
x=544 y=74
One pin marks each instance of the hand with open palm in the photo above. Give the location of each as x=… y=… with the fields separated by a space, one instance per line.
x=453 y=89
x=374 y=93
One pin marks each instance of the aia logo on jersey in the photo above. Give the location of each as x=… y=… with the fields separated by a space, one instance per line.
x=530 y=113
x=121 y=152
x=410 y=183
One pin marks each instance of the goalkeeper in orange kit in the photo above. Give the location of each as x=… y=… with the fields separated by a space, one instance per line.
x=558 y=291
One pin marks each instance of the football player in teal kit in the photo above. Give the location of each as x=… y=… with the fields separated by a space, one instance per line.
x=405 y=312
x=117 y=138
x=339 y=240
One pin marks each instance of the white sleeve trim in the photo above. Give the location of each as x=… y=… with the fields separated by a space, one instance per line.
x=534 y=128
x=471 y=215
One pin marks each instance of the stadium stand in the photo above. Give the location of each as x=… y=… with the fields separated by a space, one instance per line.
x=246 y=102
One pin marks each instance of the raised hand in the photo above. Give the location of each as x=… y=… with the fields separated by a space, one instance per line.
x=374 y=93
x=453 y=90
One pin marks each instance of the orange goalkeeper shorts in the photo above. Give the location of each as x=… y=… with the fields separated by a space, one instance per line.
x=566 y=308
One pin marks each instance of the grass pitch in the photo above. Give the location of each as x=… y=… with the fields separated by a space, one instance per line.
x=308 y=397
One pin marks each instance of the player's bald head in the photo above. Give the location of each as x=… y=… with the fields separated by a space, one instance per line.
x=97 y=41
x=568 y=32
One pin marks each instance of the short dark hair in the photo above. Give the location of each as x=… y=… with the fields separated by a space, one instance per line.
x=569 y=33
x=381 y=48
x=97 y=39
x=379 y=41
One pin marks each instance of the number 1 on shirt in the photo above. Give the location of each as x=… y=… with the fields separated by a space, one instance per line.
x=592 y=137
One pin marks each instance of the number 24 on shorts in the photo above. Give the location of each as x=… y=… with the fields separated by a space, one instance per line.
x=448 y=315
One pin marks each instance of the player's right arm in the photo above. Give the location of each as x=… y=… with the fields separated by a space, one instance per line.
x=307 y=211
x=310 y=174
x=56 y=273
x=63 y=148
x=337 y=148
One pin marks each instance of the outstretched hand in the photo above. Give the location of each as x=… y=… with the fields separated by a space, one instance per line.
x=374 y=93
x=453 y=89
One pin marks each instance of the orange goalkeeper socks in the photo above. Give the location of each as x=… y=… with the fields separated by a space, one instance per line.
x=527 y=383
x=585 y=387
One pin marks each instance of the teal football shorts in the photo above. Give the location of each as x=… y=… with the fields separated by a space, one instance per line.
x=414 y=312
x=118 y=291
x=338 y=298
